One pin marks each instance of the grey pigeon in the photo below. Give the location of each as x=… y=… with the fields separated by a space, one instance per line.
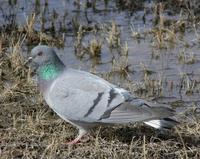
x=86 y=100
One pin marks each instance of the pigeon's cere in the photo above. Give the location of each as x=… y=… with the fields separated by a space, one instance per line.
x=86 y=100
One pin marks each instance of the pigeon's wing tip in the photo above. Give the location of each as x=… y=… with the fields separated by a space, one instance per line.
x=165 y=123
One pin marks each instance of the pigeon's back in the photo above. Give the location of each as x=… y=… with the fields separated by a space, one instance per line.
x=81 y=96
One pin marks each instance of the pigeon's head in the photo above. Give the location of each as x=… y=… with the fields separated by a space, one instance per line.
x=45 y=62
x=42 y=54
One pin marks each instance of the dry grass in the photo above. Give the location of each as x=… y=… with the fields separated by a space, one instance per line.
x=113 y=38
x=30 y=129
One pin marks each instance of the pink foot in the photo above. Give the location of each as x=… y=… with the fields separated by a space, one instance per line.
x=73 y=142
x=84 y=139
x=78 y=139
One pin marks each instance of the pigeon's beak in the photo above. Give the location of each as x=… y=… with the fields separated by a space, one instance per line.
x=28 y=61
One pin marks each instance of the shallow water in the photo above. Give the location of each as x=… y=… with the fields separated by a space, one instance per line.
x=165 y=67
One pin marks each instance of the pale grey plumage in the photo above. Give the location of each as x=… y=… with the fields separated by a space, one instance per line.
x=85 y=100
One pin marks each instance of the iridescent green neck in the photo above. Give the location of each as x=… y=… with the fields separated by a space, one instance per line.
x=49 y=71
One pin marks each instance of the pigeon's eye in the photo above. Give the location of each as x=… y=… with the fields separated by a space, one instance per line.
x=40 y=53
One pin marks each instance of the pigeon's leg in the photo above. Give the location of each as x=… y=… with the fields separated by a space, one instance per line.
x=81 y=133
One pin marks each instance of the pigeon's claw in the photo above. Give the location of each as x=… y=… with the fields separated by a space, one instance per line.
x=81 y=133
x=73 y=142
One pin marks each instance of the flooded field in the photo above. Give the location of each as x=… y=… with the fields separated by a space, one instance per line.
x=148 y=47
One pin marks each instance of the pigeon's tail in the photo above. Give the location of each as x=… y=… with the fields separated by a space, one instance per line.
x=165 y=123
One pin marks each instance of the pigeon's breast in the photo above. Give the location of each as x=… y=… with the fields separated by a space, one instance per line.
x=44 y=85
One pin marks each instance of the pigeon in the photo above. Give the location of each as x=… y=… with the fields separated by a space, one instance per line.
x=86 y=100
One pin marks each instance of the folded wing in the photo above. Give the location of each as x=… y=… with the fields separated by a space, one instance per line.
x=137 y=110
x=81 y=96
